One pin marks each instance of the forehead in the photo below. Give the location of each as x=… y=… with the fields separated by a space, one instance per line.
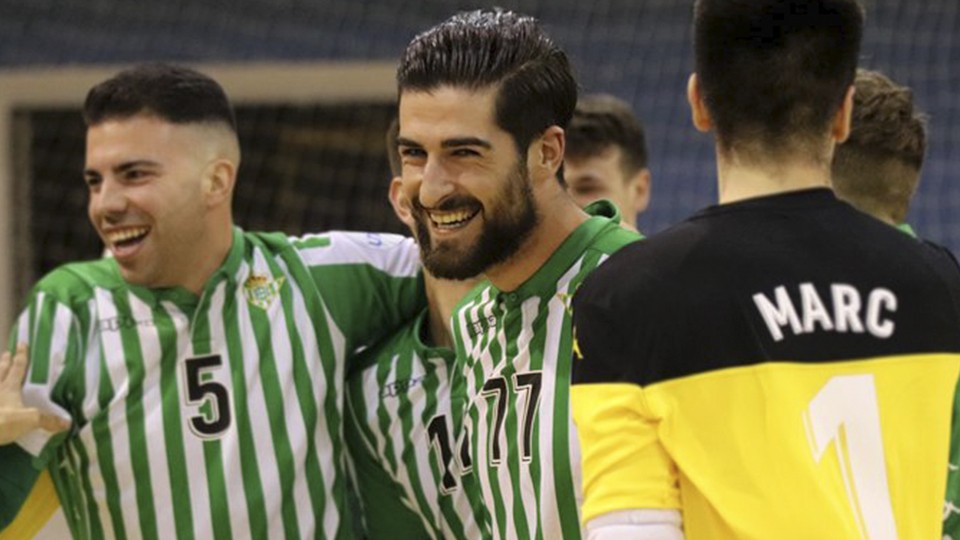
x=447 y=112
x=139 y=136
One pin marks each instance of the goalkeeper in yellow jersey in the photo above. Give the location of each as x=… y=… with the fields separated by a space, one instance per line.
x=779 y=365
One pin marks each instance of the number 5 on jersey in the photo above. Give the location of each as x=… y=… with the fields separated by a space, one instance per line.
x=209 y=398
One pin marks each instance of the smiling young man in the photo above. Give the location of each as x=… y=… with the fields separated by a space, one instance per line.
x=779 y=365
x=484 y=99
x=201 y=366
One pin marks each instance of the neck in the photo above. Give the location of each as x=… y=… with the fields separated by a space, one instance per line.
x=737 y=180
x=214 y=252
x=442 y=297
x=559 y=217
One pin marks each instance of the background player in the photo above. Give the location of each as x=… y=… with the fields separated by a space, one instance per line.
x=399 y=424
x=484 y=99
x=606 y=156
x=775 y=398
x=201 y=364
x=877 y=168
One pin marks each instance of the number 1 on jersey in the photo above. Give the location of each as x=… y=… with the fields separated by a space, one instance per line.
x=845 y=412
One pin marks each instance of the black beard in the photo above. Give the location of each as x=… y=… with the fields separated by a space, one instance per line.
x=504 y=231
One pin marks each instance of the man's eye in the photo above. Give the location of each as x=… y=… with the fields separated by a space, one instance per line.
x=465 y=152
x=412 y=153
x=92 y=181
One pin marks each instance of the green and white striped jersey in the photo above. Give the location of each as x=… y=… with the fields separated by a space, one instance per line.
x=523 y=466
x=399 y=432
x=217 y=416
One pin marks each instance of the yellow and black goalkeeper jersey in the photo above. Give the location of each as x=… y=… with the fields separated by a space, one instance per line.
x=781 y=367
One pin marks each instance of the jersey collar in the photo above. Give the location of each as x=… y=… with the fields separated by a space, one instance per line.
x=185 y=299
x=603 y=217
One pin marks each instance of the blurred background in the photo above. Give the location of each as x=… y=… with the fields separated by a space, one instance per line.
x=312 y=81
x=313 y=85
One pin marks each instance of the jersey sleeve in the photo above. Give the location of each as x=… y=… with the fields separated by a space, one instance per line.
x=371 y=282
x=52 y=331
x=17 y=479
x=38 y=509
x=384 y=514
x=625 y=465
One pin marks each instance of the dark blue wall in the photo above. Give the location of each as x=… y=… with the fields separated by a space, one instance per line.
x=636 y=49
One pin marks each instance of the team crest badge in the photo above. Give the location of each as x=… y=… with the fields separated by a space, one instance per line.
x=261 y=291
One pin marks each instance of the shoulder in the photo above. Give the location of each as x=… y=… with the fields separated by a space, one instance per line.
x=393 y=253
x=77 y=282
x=382 y=356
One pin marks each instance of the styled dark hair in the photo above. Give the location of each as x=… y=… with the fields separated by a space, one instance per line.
x=773 y=73
x=878 y=167
x=601 y=121
x=176 y=94
x=481 y=48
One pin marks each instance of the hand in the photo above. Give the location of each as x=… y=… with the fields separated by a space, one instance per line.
x=15 y=419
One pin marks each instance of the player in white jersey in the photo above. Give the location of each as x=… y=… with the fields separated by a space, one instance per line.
x=484 y=99
x=201 y=366
x=399 y=421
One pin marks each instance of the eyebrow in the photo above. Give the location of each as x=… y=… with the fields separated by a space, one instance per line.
x=125 y=166
x=455 y=142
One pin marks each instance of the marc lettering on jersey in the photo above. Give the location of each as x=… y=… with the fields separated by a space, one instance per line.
x=841 y=308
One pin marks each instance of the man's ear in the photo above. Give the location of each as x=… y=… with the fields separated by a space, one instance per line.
x=547 y=152
x=698 y=109
x=400 y=202
x=840 y=129
x=640 y=190
x=218 y=180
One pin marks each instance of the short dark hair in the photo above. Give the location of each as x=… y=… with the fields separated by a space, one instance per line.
x=601 y=121
x=176 y=94
x=481 y=48
x=878 y=167
x=773 y=73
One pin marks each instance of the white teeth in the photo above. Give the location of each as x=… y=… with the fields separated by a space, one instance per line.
x=126 y=234
x=451 y=218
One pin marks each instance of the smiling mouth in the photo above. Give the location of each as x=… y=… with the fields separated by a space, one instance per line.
x=448 y=220
x=127 y=238
x=454 y=219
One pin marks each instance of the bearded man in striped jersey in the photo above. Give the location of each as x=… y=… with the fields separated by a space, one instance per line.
x=484 y=99
x=201 y=366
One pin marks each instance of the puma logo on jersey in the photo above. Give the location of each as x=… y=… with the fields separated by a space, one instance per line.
x=845 y=310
